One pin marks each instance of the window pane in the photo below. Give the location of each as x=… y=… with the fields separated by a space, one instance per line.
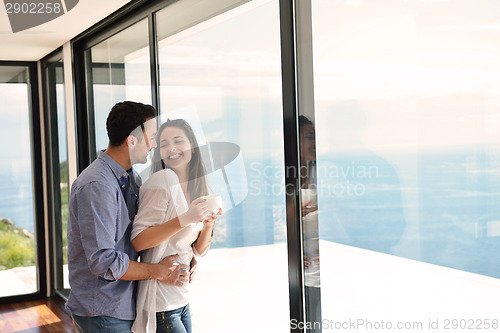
x=56 y=114
x=63 y=166
x=407 y=158
x=120 y=71
x=18 y=270
x=223 y=76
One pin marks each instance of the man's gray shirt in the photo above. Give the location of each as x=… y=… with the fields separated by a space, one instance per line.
x=102 y=203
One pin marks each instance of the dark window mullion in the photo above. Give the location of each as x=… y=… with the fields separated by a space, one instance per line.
x=153 y=56
x=81 y=100
x=291 y=154
x=54 y=171
x=37 y=179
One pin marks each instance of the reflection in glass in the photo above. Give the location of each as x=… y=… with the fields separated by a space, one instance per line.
x=120 y=71
x=310 y=232
x=18 y=270
x=408 y=154
x=224 y=78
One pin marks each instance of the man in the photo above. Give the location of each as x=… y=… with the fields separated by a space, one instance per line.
x=101 y=260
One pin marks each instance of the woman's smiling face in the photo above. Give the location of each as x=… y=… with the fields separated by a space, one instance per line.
x=307 y=144
x=175 y=148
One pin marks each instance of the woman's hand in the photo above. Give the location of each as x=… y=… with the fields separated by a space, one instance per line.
x=210 y=220
x=306 y=209
x=202 y=243
x=310 y=261
x=197 y=212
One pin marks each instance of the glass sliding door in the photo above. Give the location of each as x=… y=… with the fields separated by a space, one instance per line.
x=19 y=244
x=406 y=164
x=221 y=72
x=58 y=167
x=118 y=69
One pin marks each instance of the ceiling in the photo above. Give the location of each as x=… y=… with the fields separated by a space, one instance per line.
x=35 y=43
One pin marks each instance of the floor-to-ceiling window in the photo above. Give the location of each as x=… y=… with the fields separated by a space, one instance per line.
x=119 y=70
x=397 y=143
x=20 y=184
x=406 y=162
x=222 y=73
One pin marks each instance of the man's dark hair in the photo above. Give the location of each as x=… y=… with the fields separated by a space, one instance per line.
x=124 y=118
x=303 y=121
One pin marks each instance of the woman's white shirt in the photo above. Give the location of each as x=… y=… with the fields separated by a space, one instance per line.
x=161 y=199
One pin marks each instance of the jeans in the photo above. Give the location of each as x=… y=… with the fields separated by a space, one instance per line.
x=175 y=321
x=101 y=324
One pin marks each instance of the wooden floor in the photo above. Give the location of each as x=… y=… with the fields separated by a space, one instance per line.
x=35 y=316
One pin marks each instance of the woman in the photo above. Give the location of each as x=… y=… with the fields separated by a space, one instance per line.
x=165 y=224
x=308 y=180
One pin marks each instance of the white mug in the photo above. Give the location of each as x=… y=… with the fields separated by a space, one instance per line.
x=214 y=202
x=309 y=194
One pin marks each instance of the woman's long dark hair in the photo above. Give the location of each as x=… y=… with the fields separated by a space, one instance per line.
x=308 y=170
x=197 y=184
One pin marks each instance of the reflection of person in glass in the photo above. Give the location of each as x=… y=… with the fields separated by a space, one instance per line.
x=167 y=224
x=310 y=222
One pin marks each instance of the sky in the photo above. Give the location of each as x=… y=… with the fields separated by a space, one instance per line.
x=424 y=73
x=388 y=74
x=14 y=128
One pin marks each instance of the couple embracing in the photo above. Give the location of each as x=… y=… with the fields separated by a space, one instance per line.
x=112 y=218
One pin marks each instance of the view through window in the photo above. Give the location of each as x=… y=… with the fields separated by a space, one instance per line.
x=225 y=80
x=408 y=156
x=120 y=72
x=223 y=76
x=18 y=270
